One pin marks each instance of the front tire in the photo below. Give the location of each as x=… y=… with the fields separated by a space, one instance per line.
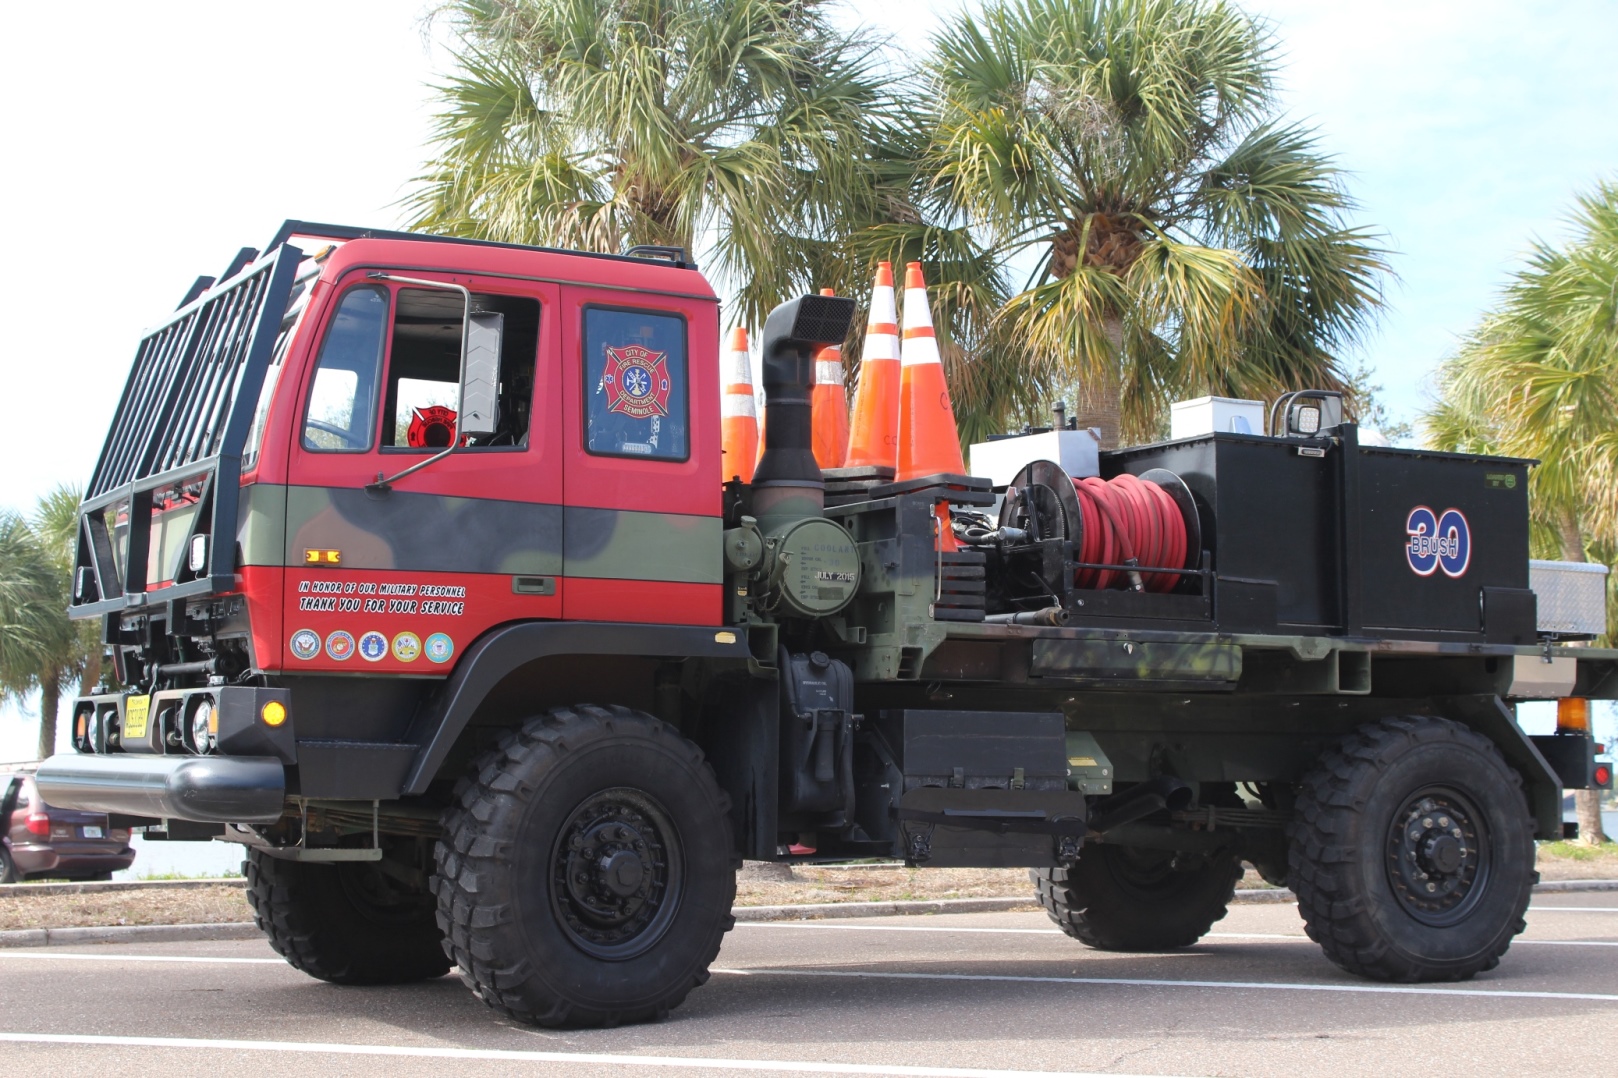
x=1412 y=852
x=586 y=873
x=1116 y=898
x=347 y=923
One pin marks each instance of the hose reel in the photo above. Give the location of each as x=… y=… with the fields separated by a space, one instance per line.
x=1117 y=530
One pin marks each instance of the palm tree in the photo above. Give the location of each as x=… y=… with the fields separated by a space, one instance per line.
x=1539 y=378
x=1180 y=237
x=739 y=129
x=39 y=646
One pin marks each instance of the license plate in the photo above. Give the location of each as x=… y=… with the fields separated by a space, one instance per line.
x=92 y=832
x=135 y=710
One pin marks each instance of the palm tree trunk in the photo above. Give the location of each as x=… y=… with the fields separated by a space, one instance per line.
x=1571 y=535
x=1586 y=803
x=50 y=699
x=1100 y=402
x=90 y=681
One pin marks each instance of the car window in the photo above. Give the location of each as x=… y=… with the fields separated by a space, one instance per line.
x=424 y=368
x=635 y=384
x=342 y=401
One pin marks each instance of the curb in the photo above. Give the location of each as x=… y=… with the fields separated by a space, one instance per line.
x=238 y=930
x=101 y=886
x=62 y=937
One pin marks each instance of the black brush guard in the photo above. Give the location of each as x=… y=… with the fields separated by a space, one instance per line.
x=183 y=419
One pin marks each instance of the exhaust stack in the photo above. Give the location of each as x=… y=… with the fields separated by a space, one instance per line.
x=787 y=484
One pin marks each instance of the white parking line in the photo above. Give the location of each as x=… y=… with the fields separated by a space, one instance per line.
x=1573 y=909
x=899 y=928
x=1152 y=982
x=512 y=1055
x=77 y=957
x=1293 y=937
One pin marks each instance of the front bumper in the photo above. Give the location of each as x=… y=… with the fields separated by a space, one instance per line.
x=203 y=789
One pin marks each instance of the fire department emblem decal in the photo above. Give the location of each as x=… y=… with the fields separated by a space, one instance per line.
x=637 y=382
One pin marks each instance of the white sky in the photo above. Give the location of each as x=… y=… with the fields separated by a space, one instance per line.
x=144 y=143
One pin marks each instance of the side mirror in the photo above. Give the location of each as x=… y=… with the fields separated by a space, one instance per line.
x=480 y=375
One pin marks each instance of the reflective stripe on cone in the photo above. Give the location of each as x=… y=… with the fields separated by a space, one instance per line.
x=829 y=406
x=873 y=439
x=738 y=411
x=928 y=441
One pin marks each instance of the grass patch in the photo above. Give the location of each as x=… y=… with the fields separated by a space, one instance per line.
x=1579 y=851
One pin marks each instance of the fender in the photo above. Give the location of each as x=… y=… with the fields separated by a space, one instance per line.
x=1491 y=717
x=503 y=650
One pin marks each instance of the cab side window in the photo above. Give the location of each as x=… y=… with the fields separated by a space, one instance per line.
x=635 y=384
x=341 y=415
x=425 y=368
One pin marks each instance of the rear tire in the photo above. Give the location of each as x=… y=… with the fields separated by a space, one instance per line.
x=1117 y=898
x=1413 y=852
x=586 y=873
x=347 y=923
x=8 y=870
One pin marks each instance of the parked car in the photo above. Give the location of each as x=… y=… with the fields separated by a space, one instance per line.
x=39 y=841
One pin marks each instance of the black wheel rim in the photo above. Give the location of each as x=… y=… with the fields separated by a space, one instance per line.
x=616 y=874
x=1438 y=856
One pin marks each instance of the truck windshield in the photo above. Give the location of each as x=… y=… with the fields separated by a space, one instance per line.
x=297 y=304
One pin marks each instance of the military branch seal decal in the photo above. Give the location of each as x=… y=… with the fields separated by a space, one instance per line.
x=637 y=382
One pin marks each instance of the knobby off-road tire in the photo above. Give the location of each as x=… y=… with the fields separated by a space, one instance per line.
x=586 y=872
x=1116 y=898
x=1412 y=852
x=347 y=923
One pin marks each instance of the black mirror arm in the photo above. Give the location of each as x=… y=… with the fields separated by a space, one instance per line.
x=383 y=485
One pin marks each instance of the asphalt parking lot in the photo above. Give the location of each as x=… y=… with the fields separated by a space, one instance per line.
x=1001 y=994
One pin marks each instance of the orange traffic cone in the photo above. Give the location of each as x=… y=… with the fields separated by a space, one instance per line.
x=874 y=436
x=928 y=441
x=829 y=406
x=738 y=412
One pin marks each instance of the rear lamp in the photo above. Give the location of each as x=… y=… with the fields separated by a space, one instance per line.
x=81 y=732
x=1601 y=776
x=39 y=824
x=199 y=553
x=92 y=733
x=1305 y=419
x=274 y=713
x=1573 y=715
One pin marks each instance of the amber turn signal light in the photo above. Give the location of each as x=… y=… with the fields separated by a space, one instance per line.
x=1573 y=715
x=274 y=713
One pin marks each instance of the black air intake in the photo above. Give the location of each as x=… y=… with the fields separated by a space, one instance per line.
x=787 y=484
x=792 y=334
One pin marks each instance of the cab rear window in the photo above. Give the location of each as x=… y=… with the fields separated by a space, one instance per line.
x=635 y=383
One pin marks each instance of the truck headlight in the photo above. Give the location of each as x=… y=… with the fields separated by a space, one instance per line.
x=204 y=727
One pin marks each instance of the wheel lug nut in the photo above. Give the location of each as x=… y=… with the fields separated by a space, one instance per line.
x=1432 y=887
x=1427 y=821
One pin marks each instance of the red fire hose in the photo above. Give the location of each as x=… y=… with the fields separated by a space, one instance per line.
x=1128 y=521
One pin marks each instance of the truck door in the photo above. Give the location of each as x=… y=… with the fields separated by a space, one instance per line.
x=402 y=579
x=642 y=486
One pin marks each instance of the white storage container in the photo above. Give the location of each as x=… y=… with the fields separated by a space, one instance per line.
x=1077 y=451
x=1215 y=415
x=1572 y=597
